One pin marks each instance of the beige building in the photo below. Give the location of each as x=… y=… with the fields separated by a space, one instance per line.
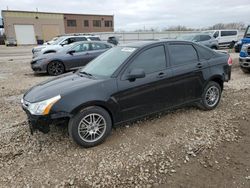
x=28 y=27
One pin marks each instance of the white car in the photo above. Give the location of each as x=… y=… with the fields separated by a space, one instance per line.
x=59 y=42
x=226 y=38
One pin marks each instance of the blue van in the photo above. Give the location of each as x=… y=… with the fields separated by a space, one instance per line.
x=245 y=52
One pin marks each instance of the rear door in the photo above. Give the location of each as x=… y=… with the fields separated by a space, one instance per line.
x=80 y=57
x=97 y=49
x=187 y=72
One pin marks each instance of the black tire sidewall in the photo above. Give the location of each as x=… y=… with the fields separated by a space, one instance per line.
x=50 y=73
x=203 y=102
x=245 y=70
x=74 y=123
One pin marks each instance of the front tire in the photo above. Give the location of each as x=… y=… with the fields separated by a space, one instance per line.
x=90 y=126
x=55 y=68
x=211 y=96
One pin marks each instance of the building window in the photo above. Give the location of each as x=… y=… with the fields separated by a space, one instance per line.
x=108 y=24
x=97 y=23
x=71 y=23
x=86 y=23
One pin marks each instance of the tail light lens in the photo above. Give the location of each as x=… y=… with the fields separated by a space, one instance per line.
x=229 y=61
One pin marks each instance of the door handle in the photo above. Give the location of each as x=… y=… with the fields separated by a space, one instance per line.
x=199 y=65
x=161 y=75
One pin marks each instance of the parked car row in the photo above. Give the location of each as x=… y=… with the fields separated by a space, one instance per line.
x=125 y=83
x=202 y=38
x=70 y=57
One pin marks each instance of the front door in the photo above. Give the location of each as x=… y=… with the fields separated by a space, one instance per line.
x=139 y=97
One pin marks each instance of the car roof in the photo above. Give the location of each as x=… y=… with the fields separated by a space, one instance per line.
x=142 y=44
x=101 y=42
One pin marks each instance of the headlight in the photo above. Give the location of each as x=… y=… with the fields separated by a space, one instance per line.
x=43 y=107
x=38 y=49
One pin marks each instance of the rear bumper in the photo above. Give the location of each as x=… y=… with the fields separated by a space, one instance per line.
x=244 y=62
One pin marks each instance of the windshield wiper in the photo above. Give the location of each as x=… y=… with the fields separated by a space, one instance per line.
x=85 y=73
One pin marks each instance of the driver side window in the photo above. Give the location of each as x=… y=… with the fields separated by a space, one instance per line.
x=150 y=60
x=81 y=48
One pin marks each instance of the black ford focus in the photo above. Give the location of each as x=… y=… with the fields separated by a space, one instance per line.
x=125 y=83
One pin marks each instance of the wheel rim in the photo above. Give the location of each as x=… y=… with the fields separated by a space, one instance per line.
x=92 y=127
x=212 y=96
x=56 y=68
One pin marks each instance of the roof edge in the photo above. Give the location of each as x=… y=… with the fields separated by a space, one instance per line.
x=23 y=11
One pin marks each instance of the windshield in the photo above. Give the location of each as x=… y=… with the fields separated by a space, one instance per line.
x=67 y=47
x=107 y=63
x=186 y=37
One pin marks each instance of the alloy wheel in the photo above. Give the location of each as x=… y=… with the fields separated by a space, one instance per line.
x=212 y=96
x=92 y=127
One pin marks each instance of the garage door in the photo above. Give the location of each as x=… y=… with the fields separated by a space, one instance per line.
x=25 y=34
x=50 y=31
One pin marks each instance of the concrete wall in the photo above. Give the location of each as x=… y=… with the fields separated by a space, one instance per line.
x=126 y=37
x=32 y=18
x=80 y=23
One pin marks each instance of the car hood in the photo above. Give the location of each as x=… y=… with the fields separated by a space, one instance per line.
x=245 y=40
x=61 y=85
x=47 y=56
x=51 y=47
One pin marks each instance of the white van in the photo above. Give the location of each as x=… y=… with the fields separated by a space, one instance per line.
x=226 y=38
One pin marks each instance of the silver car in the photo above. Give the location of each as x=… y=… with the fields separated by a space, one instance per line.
x=204 y=39
x=70 y=57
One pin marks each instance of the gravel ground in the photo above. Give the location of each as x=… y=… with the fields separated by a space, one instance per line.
x=184 y=148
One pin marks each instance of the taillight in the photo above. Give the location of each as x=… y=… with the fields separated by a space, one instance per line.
x=230 y=61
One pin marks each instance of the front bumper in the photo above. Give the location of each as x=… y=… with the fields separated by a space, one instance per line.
x=244 y=62
x=38 y=68
x=42 y=123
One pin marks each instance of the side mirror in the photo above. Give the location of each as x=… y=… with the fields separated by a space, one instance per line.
x=71 y=52
x=134 y=74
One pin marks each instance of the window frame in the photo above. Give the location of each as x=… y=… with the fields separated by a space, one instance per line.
x=72 y=21
x=108 y=23
x=124 y=69
x=97 y=21
x=180 y=43
x=84 y=23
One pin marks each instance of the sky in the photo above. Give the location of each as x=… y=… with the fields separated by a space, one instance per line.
x=139 y=14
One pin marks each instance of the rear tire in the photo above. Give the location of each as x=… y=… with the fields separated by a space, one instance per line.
x=210 y=96
x=90 y=126
x=245 y=70
x=55 y=68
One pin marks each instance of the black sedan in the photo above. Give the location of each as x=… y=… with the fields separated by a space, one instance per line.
x=68 y=58
x=125 y=83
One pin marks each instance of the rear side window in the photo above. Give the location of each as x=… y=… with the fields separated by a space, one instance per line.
x=216 y=34
x=205 y=37
x=228 y=33
x=80 y=39
x=151 y=60
x=94 y=38
x=204 y=54
x=99 y=46
x=182 y=54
